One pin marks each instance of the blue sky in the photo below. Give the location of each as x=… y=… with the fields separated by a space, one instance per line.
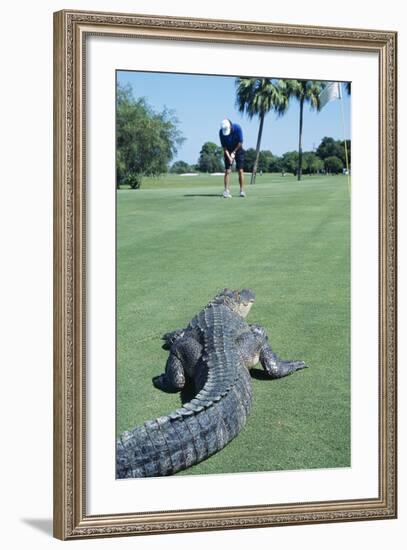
x=201 y=102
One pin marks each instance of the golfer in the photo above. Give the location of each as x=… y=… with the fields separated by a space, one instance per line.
x=231 y=139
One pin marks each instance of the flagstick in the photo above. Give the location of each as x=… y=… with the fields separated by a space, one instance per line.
x=344 y=137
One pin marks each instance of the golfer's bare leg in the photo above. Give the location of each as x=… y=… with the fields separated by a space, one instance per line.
x=241 y=179
x=227 y=179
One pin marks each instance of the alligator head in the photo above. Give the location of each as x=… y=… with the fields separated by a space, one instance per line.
x=239 y=301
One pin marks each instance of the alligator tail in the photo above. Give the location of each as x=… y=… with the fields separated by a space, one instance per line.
x=186 y=437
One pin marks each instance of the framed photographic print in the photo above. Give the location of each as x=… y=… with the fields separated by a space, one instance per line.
x=225 y=274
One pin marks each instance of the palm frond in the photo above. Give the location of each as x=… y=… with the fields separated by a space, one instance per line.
x=257 y=96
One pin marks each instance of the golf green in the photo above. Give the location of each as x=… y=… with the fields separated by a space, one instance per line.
x=179 y=242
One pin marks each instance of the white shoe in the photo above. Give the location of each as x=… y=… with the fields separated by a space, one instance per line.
x=242 y=194
x=227 y=195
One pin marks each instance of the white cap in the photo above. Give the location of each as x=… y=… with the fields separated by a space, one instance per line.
x=226 y=127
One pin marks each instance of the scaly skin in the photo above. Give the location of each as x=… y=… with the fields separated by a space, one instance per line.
x=215 y=351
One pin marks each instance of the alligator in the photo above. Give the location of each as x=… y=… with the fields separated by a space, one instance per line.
x=214 y=353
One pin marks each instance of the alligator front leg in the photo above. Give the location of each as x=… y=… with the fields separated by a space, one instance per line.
x=276 y=367
x=173 y=379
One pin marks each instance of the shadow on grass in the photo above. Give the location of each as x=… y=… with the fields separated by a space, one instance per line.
x=165 y=390
x=259 y=374
x=187 y=393
x=203 y=195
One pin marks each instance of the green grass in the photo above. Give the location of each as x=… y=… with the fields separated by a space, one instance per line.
x=178 y=243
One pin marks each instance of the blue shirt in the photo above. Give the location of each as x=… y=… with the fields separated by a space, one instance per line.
x=230 y=142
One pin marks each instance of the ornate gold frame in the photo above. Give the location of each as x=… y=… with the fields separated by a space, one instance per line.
x=70 y=31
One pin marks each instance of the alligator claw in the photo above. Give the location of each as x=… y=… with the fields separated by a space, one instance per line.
x=283 y=368
x=299 y=365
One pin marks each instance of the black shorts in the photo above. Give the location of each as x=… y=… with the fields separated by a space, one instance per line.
x=239 y=158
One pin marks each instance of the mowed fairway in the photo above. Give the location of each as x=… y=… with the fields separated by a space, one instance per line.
x=179 y=242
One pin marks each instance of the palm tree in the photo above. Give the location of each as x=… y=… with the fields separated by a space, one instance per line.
x=258 y=96
x=306 y=91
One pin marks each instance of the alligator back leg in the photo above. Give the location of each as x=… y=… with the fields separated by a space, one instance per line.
x=173 y=379
x=185 y=352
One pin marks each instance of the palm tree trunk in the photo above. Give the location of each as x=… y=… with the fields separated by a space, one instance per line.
x=299 y=175
x=256 y=162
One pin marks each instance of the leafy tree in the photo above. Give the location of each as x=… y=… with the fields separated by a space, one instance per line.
x=330 y=147
x=256 y=97
x=311 y=163
x=180 y=167
x=146 y=140
x=265 y=158
x=333 y=165
x=249 y=159
x=289 y=162
x=210 y=158
x=275 y=164
x=306 y=91
x=348 y=151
